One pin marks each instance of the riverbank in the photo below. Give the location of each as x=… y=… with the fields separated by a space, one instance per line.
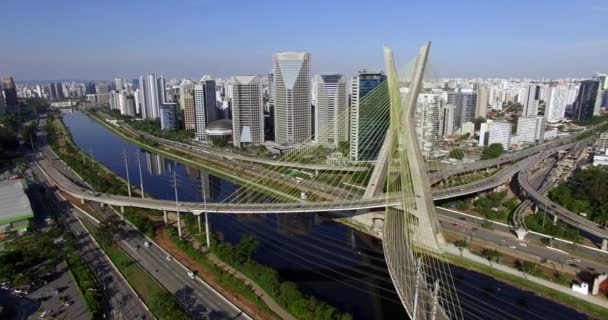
x=203 y=164
x=221 y=280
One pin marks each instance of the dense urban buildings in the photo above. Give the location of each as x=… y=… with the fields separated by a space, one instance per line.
x=205 y=106
x=292 y=97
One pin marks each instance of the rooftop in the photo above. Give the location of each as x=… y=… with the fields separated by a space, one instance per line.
x=14 y=204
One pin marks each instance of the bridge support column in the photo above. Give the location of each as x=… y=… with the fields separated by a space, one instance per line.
x=122 y=209
x=207 y=231
x=535 y=209
x=102 y=205
x=521 y=233
x=165 y=216
x=605 y=244
x=200 y=229
x=316 y=172
x=82 y=201
x=554 y=219
x=179 y=225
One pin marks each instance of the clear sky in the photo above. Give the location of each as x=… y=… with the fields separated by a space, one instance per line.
x=104 y=39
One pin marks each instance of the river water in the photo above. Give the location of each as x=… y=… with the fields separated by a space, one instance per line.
x=326 y=259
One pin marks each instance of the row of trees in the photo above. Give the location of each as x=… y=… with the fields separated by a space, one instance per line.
x=585 y=192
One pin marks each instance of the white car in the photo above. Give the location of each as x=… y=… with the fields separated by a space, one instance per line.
x=168 y=258
x=191 y=274
x=44 y=314
x=523 y=244
x=147 y=244
x=512 y=247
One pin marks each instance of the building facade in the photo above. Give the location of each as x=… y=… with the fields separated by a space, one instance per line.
x=205 y=108
x=292 y=97
x=247 y=110
x=584 y=105
x=367 y=90
x=331 y=118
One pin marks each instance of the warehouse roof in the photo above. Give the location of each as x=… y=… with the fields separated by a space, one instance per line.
x=14 y=204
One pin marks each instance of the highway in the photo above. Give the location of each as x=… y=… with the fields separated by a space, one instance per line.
x=501 y=236
x=123 y=302
x=196 y=296
x=553 y=208
x=456 y=169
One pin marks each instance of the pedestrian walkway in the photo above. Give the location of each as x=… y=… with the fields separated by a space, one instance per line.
x=261 y=293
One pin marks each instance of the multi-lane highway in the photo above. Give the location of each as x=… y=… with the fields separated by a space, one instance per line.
x=122 y=301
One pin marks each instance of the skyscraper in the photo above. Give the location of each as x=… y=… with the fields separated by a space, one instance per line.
x=465 y=103
x=150 y=96
x=331 y=119
x=602 y=87
x=557 y=102
x=204 y=106
x=447 y=120
x=584 y=105
x=186 y=98
x=2 y=103
x=247 y=110
x=531 y=100
x=90 y=88
x=10 y=93
x=292 y=99
x=367 y=114
x=482 y=103
x=428 y=122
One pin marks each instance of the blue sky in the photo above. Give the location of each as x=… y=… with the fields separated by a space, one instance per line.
x=103 y=39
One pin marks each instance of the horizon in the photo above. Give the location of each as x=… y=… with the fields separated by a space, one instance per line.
x=189 y=38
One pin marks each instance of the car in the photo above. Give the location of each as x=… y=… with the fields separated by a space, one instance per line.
x=523 y=244
x=168 y=258
x=512 y=247
x=147 y=244
x=67 y=303
x=455 y=224
x=576 y=260
x=191 y=274
x=44 y=313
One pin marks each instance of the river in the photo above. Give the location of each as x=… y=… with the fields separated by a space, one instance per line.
x=326 y=259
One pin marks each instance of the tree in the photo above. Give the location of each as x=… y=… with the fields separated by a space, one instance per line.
x=491 y=255
x=246 y=247
x=457 y=154
x=478 y=122
x=111 y=230
x=528 y=267
x=492 y=151
x=461 y=245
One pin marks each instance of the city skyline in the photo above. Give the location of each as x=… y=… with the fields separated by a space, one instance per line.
x=191 y=38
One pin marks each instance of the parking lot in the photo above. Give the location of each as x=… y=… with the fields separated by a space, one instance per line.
x=58 y=298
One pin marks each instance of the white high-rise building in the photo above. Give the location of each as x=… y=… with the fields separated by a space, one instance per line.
x=428 y=119
x=482 y=103
x=531 y=129
x=292 y=100
x=150 y=102
x=331 y=112
x=495 y=132
x=556 y=104
x=603 y=87
x=247 y=110
x=531 y=100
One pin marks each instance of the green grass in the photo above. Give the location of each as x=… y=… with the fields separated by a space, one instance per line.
x=573 y=302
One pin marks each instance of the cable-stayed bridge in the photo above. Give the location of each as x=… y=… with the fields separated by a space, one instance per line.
x=399 y=184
